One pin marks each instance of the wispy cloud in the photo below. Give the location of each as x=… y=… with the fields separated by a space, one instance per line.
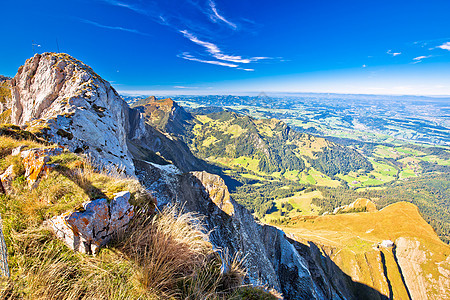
x=198 y=20
x=445 y=46
x=419 y=59
x=215 y=16
x=113 y=27
x=126 y=5
x=186 y=55
x=393 y=53
x=215 y=51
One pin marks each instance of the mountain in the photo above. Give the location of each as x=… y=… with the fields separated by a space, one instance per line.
x=67 y=102
x=269 y=146
x=62 y=100
x=263 y=146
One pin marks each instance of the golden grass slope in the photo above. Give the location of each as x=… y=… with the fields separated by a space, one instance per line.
x=418 y=266
x=160 y=256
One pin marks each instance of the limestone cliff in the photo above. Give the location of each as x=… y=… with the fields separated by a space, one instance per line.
x=71 y=105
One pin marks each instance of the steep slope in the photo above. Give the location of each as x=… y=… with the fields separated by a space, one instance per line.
x=271 y=258
x=151 y=144
x=163 y=114
x=5 y=99
x=70 y=104
x=417 y=267
x=268 y=146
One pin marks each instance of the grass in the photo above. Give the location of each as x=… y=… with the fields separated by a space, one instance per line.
x=352 y=236
x=406 y=173
x=160 y=256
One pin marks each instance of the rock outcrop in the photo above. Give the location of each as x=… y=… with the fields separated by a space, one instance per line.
x=73 y=106
x=35 y=162
x=271 y=259
x=6 y=179
x=86 y=231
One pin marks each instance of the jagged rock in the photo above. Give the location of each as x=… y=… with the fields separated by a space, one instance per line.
x=271 y=259
x=73 y=106
x=86 y=231
x=17 y=150
x=6 y=179
x=217 y=191
x=35 y=162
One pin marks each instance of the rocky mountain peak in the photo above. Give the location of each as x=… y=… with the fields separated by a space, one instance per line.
x=65 y=100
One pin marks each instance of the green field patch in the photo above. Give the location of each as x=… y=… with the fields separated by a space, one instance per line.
x=246 y=163
x=409 y=151
x=384 y=169
x=384 y=151
x=407 y=173
x=310 y=179
x=235 y=130
x=292 y=175
x=435 y=159
x=251 y=176
x=210 y=140
x=301 y=203
x=203 y=118
x=276 y=174
x=322 y=179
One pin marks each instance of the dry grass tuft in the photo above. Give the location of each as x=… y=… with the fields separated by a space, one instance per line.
x=167 y=247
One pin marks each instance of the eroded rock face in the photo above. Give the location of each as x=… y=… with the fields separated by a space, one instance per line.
x=271 y=259
x=217 y=191
x=76 y=108
x=86 y=231
x=6 y=179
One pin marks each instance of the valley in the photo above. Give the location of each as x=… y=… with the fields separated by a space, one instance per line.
x=317 y=217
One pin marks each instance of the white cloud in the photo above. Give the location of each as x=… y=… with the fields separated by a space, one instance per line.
x=113 y=27
x=393 y=53
x=188 y=56
x=445 y=46
x=419 y=59
x=216 y=16
x=214 y=50
x=126 y=5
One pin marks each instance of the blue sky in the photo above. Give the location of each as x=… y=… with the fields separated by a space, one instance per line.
x=222 y=47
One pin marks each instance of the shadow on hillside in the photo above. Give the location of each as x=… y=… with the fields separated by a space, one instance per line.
x=80 y=180
x=327 y=276
x=320 y=263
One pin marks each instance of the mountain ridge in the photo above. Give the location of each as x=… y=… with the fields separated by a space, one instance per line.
x=79 y=110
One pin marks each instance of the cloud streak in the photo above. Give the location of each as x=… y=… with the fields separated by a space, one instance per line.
x=215 y=16
x=445 y=46
x=185 y=23
x=215 y=51
x=126 y=5
x=419 y=59
x=113 y=27
x=393 y=53
x=187 y=56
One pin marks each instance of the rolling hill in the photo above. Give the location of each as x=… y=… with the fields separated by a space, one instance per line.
x=416 y=267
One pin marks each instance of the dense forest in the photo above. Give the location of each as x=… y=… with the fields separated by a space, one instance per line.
x=275 y=146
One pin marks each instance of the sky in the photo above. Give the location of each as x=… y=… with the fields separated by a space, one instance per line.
x=240 y=46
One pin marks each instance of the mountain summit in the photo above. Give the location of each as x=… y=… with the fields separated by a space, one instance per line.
x=71 y=105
